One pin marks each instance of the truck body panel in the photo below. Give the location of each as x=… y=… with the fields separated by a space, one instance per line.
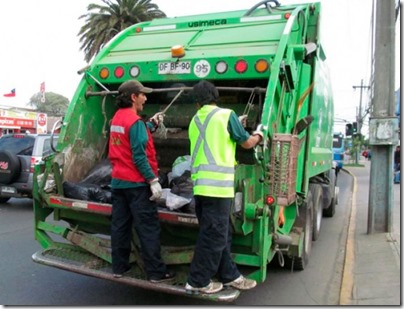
x=269 y=65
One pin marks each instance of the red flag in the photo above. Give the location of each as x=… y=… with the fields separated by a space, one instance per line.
x=42 y=89
x=11 y=94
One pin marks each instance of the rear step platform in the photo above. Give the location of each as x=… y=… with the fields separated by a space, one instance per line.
x=76 y=260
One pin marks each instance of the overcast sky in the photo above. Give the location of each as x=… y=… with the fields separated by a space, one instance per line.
x=40 y=43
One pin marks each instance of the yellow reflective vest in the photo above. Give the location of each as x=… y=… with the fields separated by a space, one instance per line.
x=212 y=153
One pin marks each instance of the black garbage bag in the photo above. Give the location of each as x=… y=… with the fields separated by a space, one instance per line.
x=97 y=194
x=86 y=192
x=76 y=191
x=99 y=174
x=183 y=186
x=163 y=179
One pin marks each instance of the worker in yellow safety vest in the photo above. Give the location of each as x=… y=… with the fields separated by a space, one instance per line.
x=214 y=133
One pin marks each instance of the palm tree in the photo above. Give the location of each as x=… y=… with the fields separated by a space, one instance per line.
x=101 y=26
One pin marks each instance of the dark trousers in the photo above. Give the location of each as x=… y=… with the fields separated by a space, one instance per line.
x=212 y=252
x=133 y=206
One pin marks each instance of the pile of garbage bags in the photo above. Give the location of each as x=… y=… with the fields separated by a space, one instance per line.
x=94 y=187
x=177 y=186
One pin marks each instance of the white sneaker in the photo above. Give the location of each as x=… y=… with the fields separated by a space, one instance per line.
x=122 y=274
x=242 y=283
x=211 y=288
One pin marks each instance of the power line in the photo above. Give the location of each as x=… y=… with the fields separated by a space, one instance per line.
x=359 y=116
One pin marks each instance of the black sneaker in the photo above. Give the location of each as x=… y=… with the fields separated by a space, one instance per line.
x=168 y=276
x=120 y=275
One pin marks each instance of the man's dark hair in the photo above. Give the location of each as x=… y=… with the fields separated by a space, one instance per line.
x=123 y=100
x=205 y=92
x=128 y=88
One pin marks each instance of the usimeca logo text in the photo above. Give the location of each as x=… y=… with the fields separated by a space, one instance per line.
x=202 y=23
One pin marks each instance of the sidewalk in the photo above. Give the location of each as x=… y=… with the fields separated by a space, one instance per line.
x=372 y=270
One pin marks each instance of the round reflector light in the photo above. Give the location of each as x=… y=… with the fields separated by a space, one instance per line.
x=287 y=15
x=138 y=29
x=261 y=66
x=221 y=67
x=119 y=71
x=241 y=66
x=104 y=73
x=134 y=71
x=269 y=199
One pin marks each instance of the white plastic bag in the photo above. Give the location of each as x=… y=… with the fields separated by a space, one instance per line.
x=180 y=165
x=172 y=201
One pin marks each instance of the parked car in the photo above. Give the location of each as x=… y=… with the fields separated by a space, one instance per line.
x=18 y=155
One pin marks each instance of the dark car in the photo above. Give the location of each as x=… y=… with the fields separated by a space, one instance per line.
x=18 y=155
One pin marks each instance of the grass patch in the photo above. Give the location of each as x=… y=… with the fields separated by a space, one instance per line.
x=353 y=165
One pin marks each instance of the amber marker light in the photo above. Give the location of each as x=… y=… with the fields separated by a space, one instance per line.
x=241 y=66
x=177 y=51
x=119 y=71
x=261 y=66
x=104 y=73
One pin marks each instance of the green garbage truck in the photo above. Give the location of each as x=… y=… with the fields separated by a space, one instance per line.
x=268 y=63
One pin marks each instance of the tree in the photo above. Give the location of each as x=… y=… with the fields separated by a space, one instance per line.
x=54 y=105
x=100 y=27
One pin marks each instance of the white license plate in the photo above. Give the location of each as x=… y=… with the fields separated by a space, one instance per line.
x=178 y=67
x=8 y=190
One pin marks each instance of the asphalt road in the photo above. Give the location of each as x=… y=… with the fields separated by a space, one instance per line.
x=24 y=282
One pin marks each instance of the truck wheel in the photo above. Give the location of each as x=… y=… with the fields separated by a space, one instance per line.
x=307 y=219
x=330 y=210
x=317 y=193
x=11 y=167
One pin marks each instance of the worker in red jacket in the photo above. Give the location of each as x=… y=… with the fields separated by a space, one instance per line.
x=135 y=185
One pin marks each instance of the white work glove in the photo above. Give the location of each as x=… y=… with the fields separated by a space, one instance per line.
x=156 y=189
x=259 y=133
x=157 y=118
x=243 y=120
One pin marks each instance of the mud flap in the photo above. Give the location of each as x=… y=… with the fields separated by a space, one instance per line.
x=74 y=259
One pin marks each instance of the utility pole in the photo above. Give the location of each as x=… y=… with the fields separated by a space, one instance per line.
x=359 y=118
x=383 y=124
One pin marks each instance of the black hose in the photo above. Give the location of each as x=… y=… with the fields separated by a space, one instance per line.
x=266 y=2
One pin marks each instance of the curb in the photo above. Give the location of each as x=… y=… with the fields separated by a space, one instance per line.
x=347 y=281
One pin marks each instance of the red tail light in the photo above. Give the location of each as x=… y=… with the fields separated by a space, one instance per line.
x=31 y=168
x=241 y=66
x=119 y=71
x=269 y=200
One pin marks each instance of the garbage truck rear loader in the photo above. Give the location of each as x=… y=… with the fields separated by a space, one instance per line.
x=268 y=63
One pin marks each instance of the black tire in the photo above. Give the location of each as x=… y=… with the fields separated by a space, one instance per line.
x=4 y=200
x=330 y=210
x=317 y=194
x=10 y=167
x=307 y=222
